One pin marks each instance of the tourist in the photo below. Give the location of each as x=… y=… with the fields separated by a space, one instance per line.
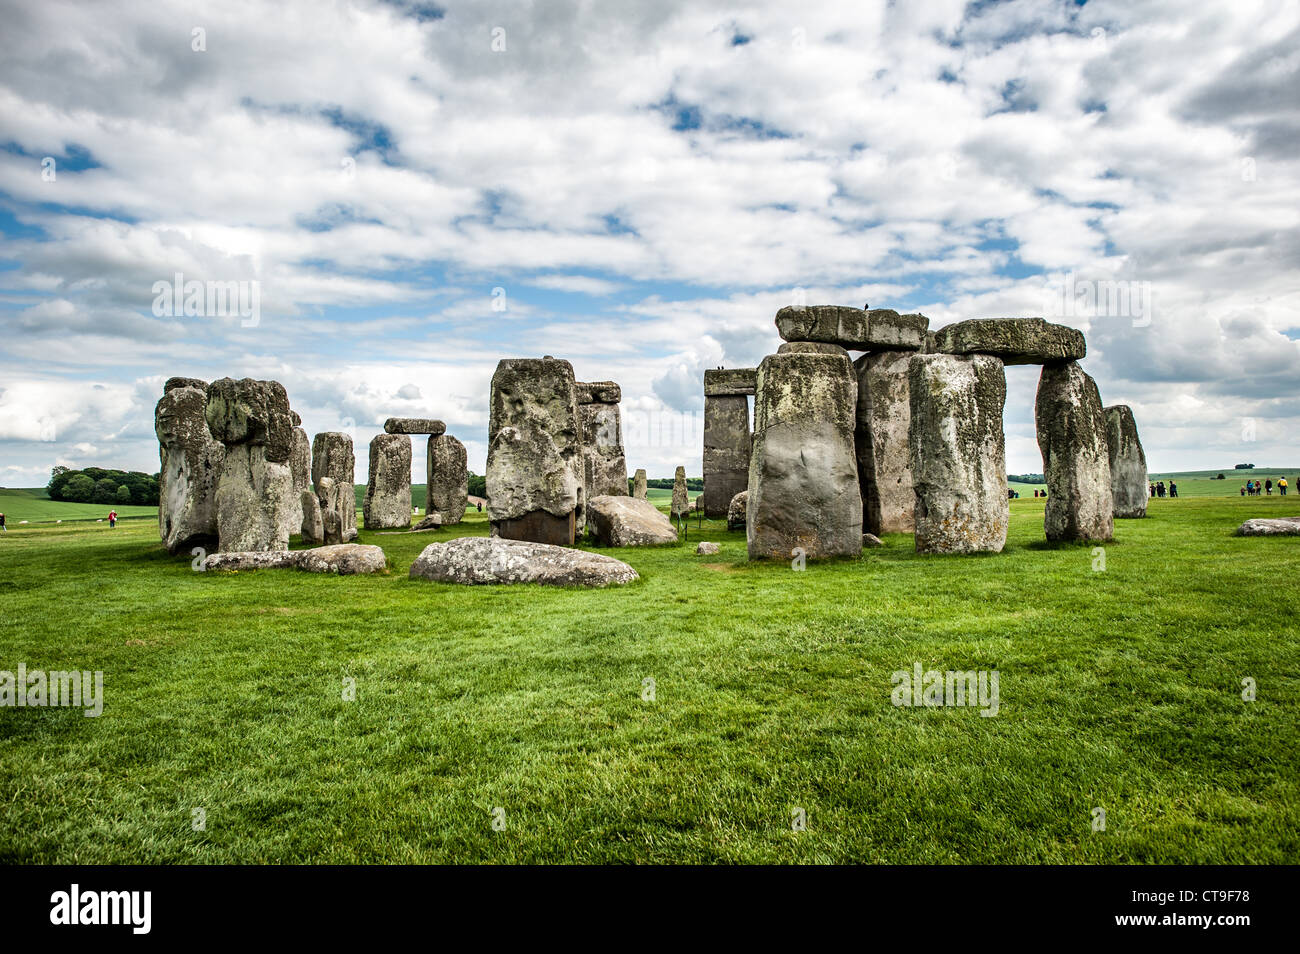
x=1151 y=491
x=112 y=519
x=2 y=523
x=1268 y=487
x=1281 y=489
x=1243 y=490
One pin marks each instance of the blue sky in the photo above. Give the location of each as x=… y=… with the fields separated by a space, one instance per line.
x=419 y=190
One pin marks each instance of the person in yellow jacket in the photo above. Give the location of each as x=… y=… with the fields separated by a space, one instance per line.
x=1281 y=486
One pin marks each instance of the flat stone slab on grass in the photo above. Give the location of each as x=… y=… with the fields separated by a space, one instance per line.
x=707 y=549
x=858 y=329
x=1270 y=527
x=628 y=522
x=488 y=560
x=344 y=559
x=1014 y=340
x=414 y=425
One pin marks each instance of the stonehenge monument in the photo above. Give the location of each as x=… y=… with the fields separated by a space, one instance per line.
x=603 y=460
x=727 y=439
x=958 y=452
x=1076 y=459
x=190 y=460
x=883 y=421
x=1128 y=463
x=254 y=501
x=332 y=457
x=803 y=474
x=447 y=478
x=387 y=504
x=535 y=480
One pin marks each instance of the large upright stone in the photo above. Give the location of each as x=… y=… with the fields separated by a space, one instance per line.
x=1014 y=340
x=189 y=467
x=447 y=479
x=884 y=458
x=332 y=457
x=255 y=505
x=300 y=468
x=604 y=462
x=958 y=453
x=534 y=468
x=1128 y=462
x=387 y=504
x=639 y=484
x=1076 y=458
x=681 y=503
x=727 y=443
x=858 y=329
x=803 y=475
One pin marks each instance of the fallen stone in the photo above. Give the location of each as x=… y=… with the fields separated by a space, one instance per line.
x=881 y=440
x=190 y=462
x=736 y=511
x=707 y=549
x=414 y=425
x=1128 y=462
x=858 y=329
x=431 y=522
x=448 y=478
x=803 y=475
x=628 y=522
x=488 y=560
x=871 y=540
x=1014 y=340
x=1270 y=527
x=344 y=559
x=251 y=560
x=1076 y=458
x=958 y=453
x=720 y=382
x=387 y=504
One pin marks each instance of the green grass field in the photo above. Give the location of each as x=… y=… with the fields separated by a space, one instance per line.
x=1119 y=689
x=33 y=506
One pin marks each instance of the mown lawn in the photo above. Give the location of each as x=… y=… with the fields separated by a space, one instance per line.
x=1119 y=689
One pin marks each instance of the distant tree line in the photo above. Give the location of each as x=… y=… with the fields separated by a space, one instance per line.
x=666 y=483
x=477 y=485
x=1027 y=478
x=1243 y=466
x=100 y=486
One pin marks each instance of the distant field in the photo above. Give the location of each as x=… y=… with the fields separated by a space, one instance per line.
x=32 y=505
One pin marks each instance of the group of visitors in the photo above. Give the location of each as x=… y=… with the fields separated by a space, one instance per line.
x=1252 y=488
x=1158 y=489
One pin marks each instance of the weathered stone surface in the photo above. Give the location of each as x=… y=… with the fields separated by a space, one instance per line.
x=727 y=443
x=858 y=329
x=639 y=484
x=414 y=425
x=300 y=468
x=958 y=453
x=172 y=384
x=628 y=522
x=871 y=540
x=884 y=460
x=1270 y=527
x=809 y=347
x=431 y=522
x=190 y=462
x=720 y=382
x=482 y=560
x=681 y=503
x=251 y=412
x=803 y=475
x=736 y=511
x=1076 y=458
x=313 y=526
x=344 y=559
x=333 y=526
x=296 y=418
x=1128 y=462
x=387 y=504
x=253 y=500
x=707 y=549
x=535 y=461
x=1014 y=340
x=448 y=478
x=332 y=457
x=604 y=463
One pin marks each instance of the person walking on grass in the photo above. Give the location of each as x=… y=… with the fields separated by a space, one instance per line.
x=1268 y=487
x=2 y=523
x=1173 y=489
x=1281 y=488
x=112 y=519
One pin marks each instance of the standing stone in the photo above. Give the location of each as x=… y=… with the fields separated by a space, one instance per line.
x=332 y=457
x=535 y=480
x=1128 y=462
x=727 y=443
x=331 y=496
x=446 y=465
x=884 y=461
x=638 y=484
x=190 y=465
x=803 y=475
x=300 y=468
x=1076 y=458
x=313 y=525
x=681 y=504
x=387 y=504
x=604 y=462
x=958 y=453
x=255 y=508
